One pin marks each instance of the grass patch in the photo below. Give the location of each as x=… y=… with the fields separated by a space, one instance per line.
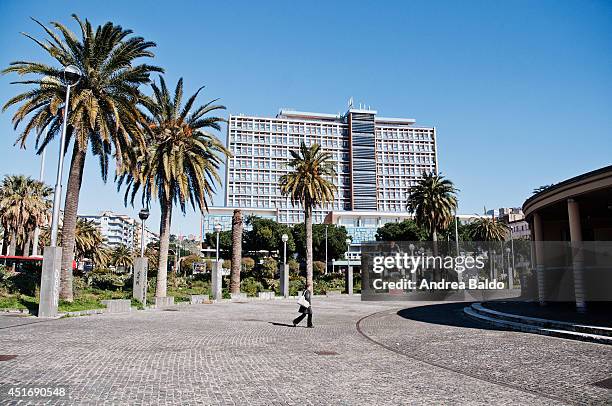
x=80 y=304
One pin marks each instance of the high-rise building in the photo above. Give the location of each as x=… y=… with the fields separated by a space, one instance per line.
x=117 y=229
x=376 y=159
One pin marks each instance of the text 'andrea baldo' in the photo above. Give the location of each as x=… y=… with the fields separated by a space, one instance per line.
x=412 y=264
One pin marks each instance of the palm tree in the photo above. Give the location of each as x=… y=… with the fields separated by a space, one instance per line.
x=101 y=257
x=236 y=251
x=309 y=185
x=122 y=256
x=24 y=205
x=432 y=201
x=103 y=110
x=88 y=238
x=487 y=229
x=180 y=164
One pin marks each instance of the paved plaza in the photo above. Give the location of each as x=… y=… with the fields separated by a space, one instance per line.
x=246 y=353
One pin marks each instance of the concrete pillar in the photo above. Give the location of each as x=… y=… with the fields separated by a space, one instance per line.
x=573 y=213
x=284 y=280
x=50 y=282
x=216 y=280
x=139 y=287
x=539 y=257
x=348 y=280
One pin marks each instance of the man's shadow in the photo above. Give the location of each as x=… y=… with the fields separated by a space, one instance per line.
x=282 y=324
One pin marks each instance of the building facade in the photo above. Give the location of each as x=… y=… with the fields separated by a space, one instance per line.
x=120 y=229
x=376 y=159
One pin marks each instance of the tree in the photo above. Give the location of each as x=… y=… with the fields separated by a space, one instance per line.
x=180 y=164
x=236 y=251
x=88 y=239
x=225 y=242
x=433 y=200
x=122 y=256
x=487 y=229
x=542 y=188
x=103 y=110
x=407 y=230
x=336 y=241
x=309 y=185
x=266 y=235
x=24 y=205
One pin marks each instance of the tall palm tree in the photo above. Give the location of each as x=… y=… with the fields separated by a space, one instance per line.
x=309 y=185
x=103 y=112
x=24 y=204
x=433 y=201
x=122 y=256
x=487 y=229
x=180 y=164
x=236 y=251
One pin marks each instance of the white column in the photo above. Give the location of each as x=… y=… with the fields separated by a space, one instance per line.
x=539 y=257
x=573 y=213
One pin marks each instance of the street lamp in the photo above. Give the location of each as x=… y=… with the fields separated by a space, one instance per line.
x=333 y=265
x=143 y=215
x=326 y=265
x=510 y=270
x=217 y=230
x=285 y=238
x=72 y=76
x=348 y=247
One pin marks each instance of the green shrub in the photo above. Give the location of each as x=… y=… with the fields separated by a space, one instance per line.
x=26 y=283
x=294 y=267
x=107 y=281
x=251 y=286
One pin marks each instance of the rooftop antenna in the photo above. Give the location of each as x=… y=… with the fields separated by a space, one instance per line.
x=350 y=102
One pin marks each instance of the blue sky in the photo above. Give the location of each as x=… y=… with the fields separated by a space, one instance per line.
x=520 y=91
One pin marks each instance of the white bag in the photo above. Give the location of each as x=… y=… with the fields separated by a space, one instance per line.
x=302 y=301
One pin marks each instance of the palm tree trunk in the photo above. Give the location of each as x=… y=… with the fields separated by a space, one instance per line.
x=164 y=245
x=5 y=242
x=436 y=271
x=236 y=251
x=13 y=244
x=71 y=206
x=27 y=245
x=308 y=221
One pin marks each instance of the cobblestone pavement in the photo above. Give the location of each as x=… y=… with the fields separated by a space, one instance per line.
x=232 y=353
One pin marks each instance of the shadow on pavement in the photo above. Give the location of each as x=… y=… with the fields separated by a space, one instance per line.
x=448 y=314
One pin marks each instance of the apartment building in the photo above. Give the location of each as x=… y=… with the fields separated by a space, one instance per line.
x=376 y=159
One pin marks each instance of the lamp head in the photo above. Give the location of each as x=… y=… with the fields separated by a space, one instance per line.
x=143 y=214
x=72 y=75
x=218 y=228
x=285 y=238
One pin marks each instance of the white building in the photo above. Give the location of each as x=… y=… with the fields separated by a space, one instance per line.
x=117 y=229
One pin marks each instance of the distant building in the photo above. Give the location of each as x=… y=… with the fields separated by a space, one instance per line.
x=377 y=159
x=515 y=219
x=150 y=236
x=120 y=229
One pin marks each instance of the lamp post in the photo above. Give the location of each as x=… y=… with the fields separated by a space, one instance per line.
x=284 y=274
x=72 y=76
x=510 y=270
x=141 y=264
x=456 y=231
x=285 y=238
x=333 y=265
x=218 y=231
x=216 y=277
x=143 y=215
x=348 y=247
x=52 y=255
x=326 y=265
